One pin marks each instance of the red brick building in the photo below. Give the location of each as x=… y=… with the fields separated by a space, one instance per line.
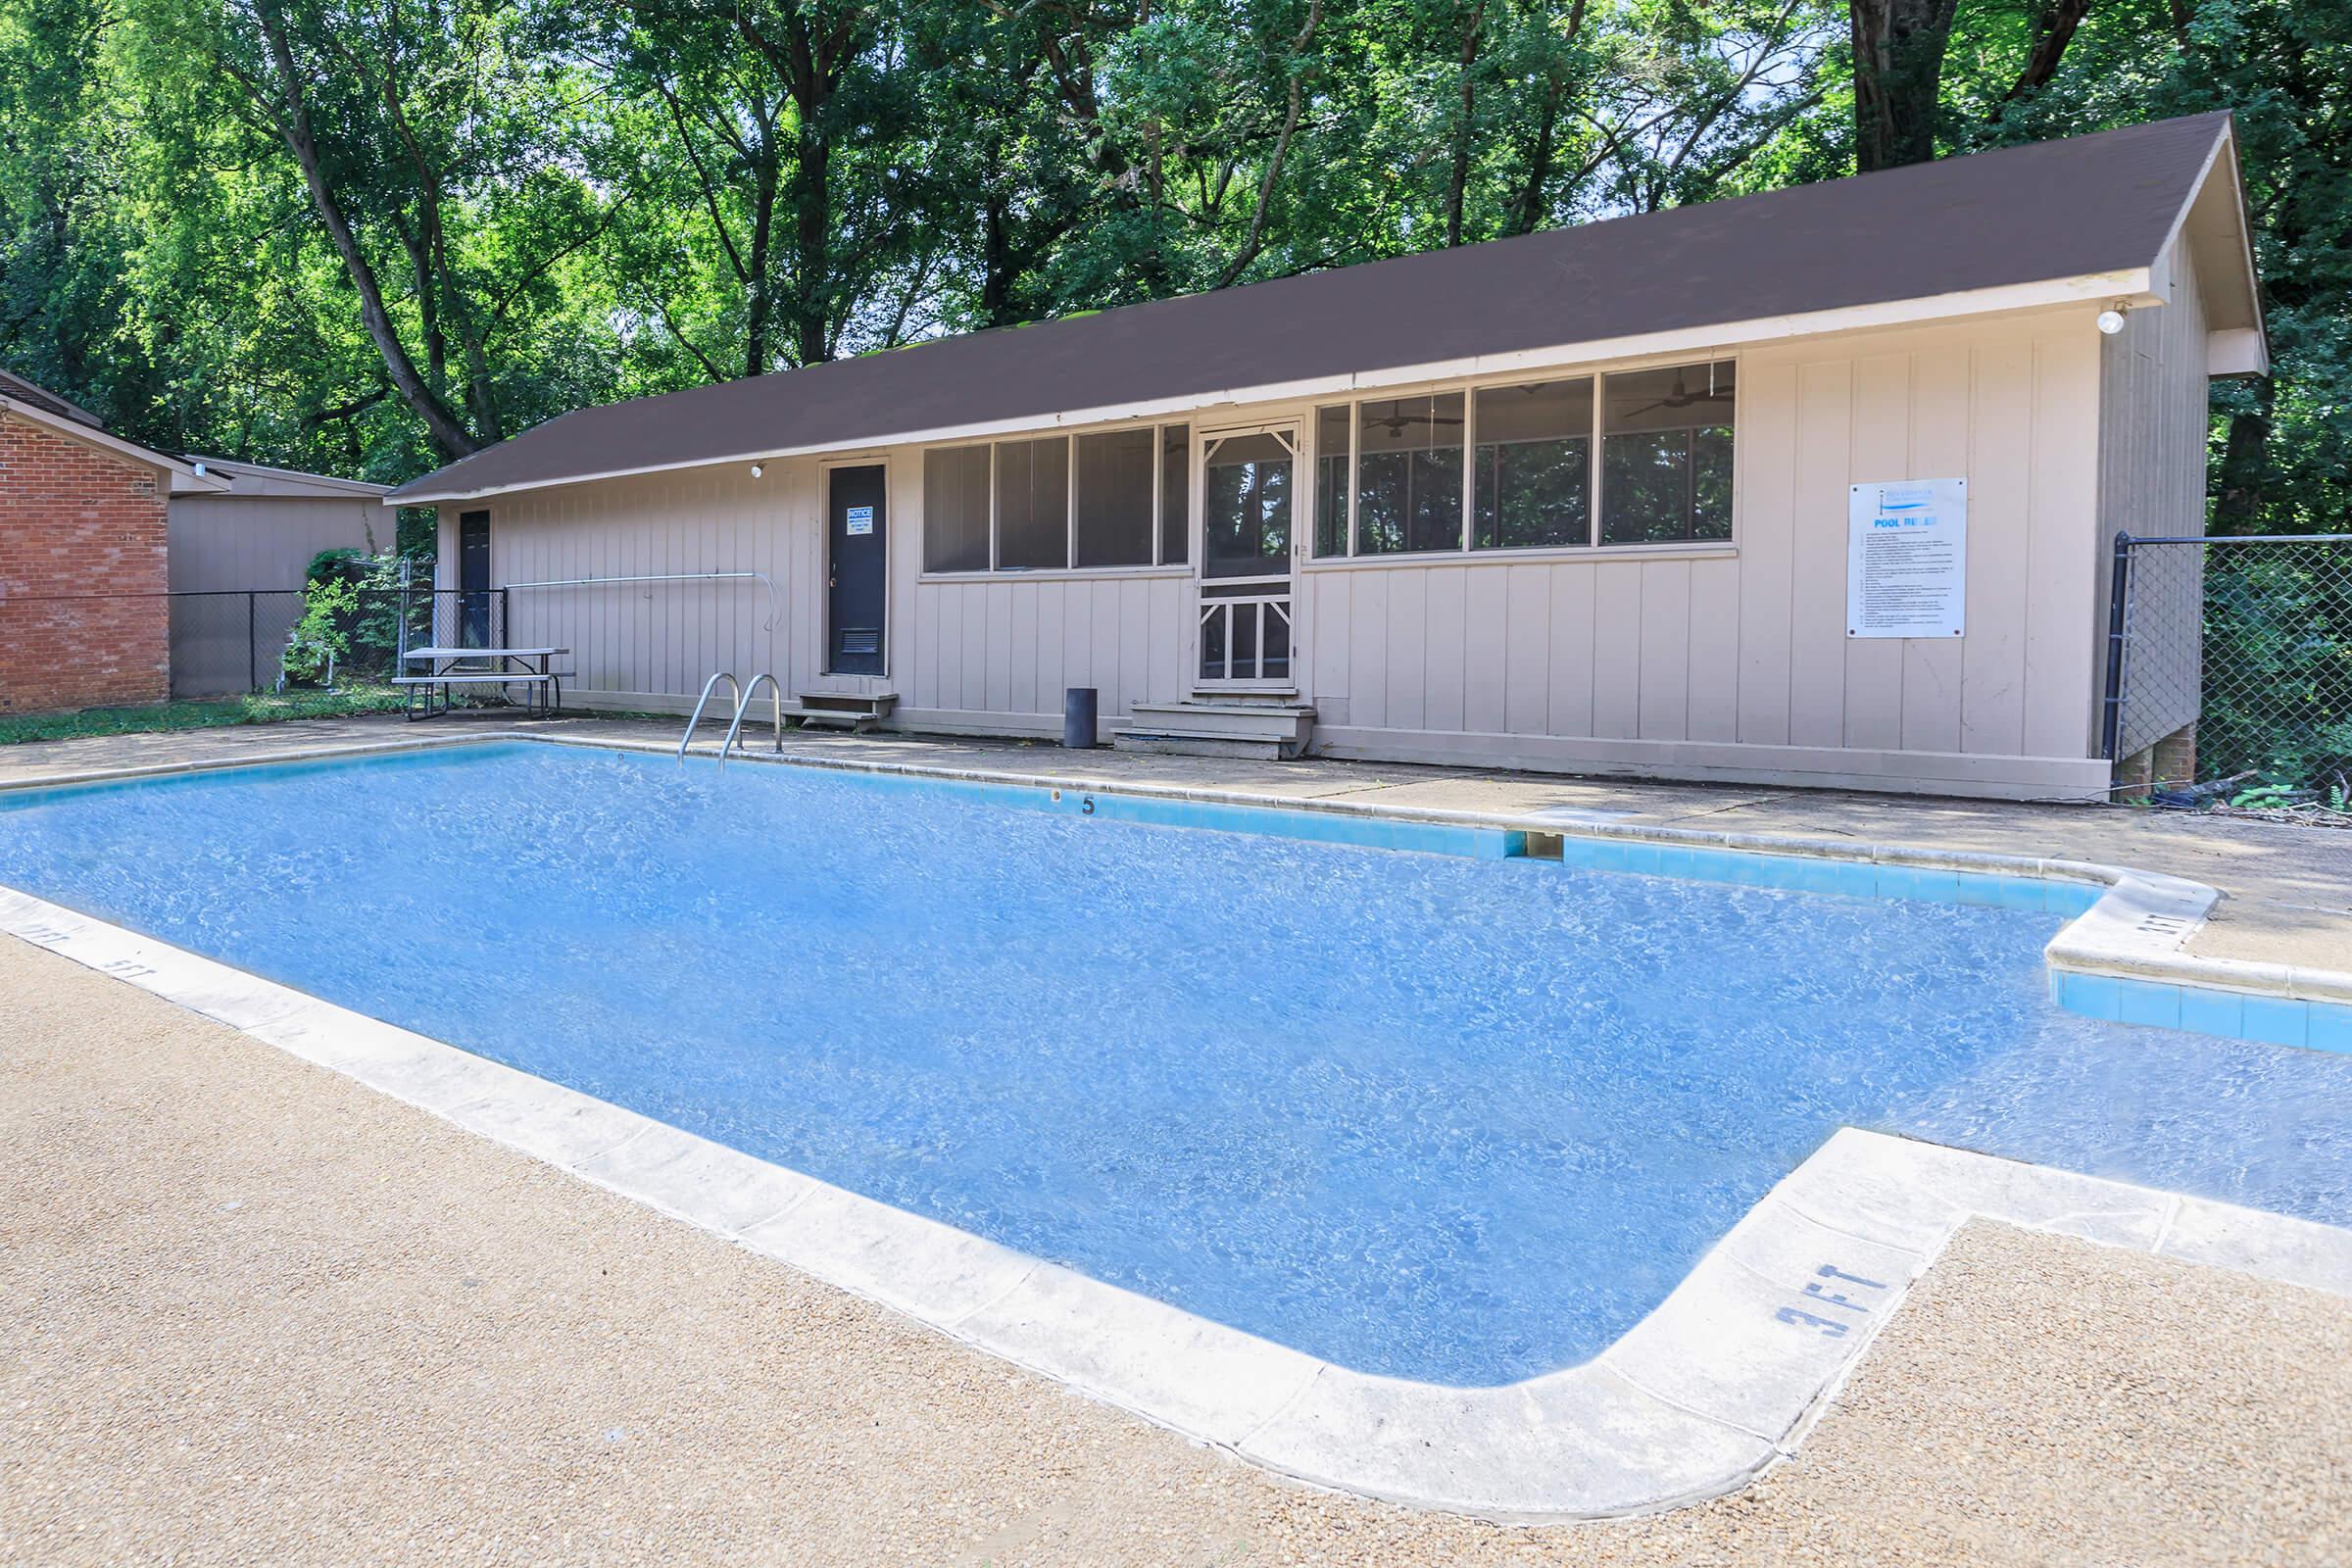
x=81 y=519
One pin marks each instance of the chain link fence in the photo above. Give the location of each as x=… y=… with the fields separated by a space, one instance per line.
x=2250 y=640
x=230 y=641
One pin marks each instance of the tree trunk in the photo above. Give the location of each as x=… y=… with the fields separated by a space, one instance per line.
x=2245 y=460
x=1898 y=78
x=1458 y=183
x=441 y=421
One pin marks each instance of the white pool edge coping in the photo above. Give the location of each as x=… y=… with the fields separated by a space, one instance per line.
x=1719 y=1382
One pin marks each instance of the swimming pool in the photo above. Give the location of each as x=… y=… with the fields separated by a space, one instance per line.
x=1442 y=1116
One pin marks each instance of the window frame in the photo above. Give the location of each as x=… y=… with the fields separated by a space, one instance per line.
x=1466 y=549
x=1158 y=566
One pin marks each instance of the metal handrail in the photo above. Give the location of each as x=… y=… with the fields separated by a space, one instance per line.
x=761 y=577
x=743 y=705
x=703 y=701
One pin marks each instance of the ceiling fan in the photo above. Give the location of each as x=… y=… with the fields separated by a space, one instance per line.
x=1682 y=398
x=1396 y=423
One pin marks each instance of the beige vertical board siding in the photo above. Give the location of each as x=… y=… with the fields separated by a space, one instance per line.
x=1881 y=450
x=242 y=543
x=1329 y=655
x=1716 y=669
x=2063 y=608
x=1664 y=682
x=1367 y=644
x=1527 y=653
x=1817 y=603
x=2152 y=456
x=1765 y=447
x=1942 y=373
x=1444 y=669
x=1993 y=656
x=1408 y=648
x=1486 y=667
x=1616 y=669
x=1572 y=636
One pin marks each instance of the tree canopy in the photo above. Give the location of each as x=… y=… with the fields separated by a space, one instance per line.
x=371 y=235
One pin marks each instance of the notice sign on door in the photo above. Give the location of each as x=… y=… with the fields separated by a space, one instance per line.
x=861 y=521
x=1906 y=559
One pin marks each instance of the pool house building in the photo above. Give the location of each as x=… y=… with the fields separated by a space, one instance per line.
x=1818 y=486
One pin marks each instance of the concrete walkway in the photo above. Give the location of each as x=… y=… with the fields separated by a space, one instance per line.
x=258 y=1313
x=2286 y=889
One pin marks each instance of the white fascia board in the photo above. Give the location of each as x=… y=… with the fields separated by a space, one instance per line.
x=2133 y=285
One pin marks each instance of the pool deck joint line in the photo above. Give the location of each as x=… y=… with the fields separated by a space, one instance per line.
x=1722 y=1380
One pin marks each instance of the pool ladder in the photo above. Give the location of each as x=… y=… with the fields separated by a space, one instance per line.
x=743 y=705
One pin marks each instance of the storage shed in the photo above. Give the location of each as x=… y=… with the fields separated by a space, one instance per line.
x=1814 y=486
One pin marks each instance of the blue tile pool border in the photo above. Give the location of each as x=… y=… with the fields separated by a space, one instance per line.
x=2119 y=957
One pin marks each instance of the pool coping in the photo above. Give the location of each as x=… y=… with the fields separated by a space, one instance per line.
x=1722 y=1380
x=1719 y=1382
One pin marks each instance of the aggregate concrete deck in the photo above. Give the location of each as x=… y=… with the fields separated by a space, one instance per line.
x=2286 y=889
x=260 y=1313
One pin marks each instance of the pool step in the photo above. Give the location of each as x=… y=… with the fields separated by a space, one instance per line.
x=1269 y=731
x=855 y=712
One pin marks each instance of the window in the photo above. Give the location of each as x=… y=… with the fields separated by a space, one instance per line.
x=956 y=509
x=1408 y=475
x=1033 y=504
x=1331 y=479
x=1247 y=485
x=1113 y=500
x=1666 y=455
x=1113 y=505
x=1534 y=484
x=1175 y=492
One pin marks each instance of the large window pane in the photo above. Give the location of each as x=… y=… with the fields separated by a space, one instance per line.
x=1331 y=479
x=1175 y=493
x=1666 y=455
x=956 y=509
x=1408 y=475
x=1535 y=465
x=1245 y=494
x=1033 y=503
x=1116 y=476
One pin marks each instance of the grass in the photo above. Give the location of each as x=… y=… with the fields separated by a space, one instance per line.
x=258 y=707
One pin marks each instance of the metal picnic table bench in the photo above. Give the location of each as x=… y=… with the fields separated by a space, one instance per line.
x=445 y=668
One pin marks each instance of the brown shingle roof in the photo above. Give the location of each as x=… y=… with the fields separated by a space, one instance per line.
x=2051 y=211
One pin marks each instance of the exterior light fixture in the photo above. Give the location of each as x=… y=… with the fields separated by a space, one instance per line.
x=755 y=466
x=2111 y=320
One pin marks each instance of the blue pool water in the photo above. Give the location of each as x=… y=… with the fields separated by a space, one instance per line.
x=1441 y=1117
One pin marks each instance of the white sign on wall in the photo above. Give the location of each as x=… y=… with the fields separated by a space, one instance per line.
x=1906 y=559
x=861 y=521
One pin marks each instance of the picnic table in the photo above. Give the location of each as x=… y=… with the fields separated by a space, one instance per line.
x=531 y=669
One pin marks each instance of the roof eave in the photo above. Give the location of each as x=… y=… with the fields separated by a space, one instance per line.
x=181 y=476
x=2133 y=284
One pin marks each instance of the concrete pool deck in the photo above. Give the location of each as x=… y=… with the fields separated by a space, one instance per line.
x=262 y=1313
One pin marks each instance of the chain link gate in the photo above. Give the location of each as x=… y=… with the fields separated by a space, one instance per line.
x=2247 y=638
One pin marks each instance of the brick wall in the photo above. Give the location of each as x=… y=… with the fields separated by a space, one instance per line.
x=75 y=519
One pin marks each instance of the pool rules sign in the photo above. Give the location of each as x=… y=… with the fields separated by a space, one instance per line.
x=1906 y=559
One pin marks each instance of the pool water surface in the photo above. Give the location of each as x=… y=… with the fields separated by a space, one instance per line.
x=1461 y=1120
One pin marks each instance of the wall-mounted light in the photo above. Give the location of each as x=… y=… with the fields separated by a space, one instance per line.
x=2111 y=320
x=756 y=470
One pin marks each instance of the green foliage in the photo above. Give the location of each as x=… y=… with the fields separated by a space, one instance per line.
x=317 y=639
x=555 y=203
